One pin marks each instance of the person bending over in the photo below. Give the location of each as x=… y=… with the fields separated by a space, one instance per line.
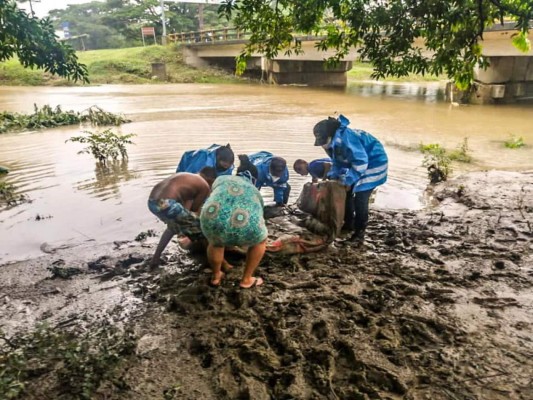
x=219 y=157
x=359 y=161
x=233 y=216
x=318 y=169
x=175 y=200
x=272 y=172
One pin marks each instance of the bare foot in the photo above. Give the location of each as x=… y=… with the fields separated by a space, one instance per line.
x=226 y=266
x=252 y=282
x=217 y=279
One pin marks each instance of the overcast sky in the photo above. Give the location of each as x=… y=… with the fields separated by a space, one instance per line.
x=42 y=7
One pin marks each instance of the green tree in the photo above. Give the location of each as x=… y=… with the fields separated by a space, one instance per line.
x=384 y=32
x=117 y=23
x=105 y=23
x=185 y=17
x=35 y=44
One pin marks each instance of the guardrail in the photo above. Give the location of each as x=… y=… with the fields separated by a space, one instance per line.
x=208 y=36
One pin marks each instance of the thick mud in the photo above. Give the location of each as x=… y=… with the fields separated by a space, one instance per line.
x=438 y=304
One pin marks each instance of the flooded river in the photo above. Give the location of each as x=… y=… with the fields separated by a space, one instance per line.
x=72 y=200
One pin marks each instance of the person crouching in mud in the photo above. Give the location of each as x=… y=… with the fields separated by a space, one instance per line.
x=217 y=156
x=175 y=200
x=233 y=216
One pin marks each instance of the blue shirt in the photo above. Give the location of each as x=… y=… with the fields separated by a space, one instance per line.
x=316 y=168
x=262 y=161
x=194 y=160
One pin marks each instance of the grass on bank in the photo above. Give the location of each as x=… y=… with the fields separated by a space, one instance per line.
x=133 y=66
x=129 y=65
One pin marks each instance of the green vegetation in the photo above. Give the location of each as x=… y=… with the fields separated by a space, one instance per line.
x=104 y=145
x=9 y=196
x=461 y=153
x=34 y=42
x=514 y=142
x=116 y=23
x=48 y=117
x=391 y=36
x=438 y=160
x=51 y=363
x=129 y=65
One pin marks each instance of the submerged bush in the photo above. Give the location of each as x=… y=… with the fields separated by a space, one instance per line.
x=104 y=145
x=9 y=196
x=48 y=117
x=437 y=162
x=461 y=153
x=514 y=142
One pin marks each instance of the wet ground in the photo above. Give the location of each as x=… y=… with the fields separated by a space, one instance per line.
x=437 y=305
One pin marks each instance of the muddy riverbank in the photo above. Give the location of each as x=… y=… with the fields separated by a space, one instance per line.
x=438 y=305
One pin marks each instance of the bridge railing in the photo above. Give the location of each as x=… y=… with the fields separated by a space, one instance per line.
x=208 y=36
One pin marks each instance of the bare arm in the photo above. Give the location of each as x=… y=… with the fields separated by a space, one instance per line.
x=199 y=199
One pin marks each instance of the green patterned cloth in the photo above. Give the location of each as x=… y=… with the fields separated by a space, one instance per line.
x=233 y=213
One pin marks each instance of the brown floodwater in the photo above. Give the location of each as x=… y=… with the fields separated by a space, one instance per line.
x=73 y=200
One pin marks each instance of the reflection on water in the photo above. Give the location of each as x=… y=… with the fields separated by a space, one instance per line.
x=426 y=92
x=107 y=204
x=107 y=178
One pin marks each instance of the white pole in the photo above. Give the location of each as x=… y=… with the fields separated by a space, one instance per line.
x=164 y=37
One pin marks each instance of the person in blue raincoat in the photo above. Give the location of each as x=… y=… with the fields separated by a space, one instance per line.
x=217 y=156
x=272 y=172
x=359 y=161
x=318 y=169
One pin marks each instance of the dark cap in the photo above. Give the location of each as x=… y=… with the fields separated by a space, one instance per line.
x=324 y=130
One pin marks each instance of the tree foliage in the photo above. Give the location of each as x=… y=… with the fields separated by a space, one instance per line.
x=392 y=34
x=117 y=23
x=35 y=44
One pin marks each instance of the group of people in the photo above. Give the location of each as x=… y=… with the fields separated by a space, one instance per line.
x=203 y=200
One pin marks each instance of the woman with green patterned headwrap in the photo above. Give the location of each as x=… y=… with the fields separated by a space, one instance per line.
x=233 y=216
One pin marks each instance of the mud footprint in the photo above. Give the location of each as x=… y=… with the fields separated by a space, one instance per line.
x=496 y=302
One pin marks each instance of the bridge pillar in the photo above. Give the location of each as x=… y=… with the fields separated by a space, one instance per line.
x=508 y=79
x=305 y=72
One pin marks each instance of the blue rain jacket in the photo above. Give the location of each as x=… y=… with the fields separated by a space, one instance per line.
x=194 y=160
x=262 y=160
x=315 y=167
x=359 y=159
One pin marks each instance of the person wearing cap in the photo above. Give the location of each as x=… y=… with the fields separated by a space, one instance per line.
x=359 y=161
x=272 y=172
x=318 y=169
x=219 y=157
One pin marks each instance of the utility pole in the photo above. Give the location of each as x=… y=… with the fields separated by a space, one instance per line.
x=200 y=17
x=163 y=22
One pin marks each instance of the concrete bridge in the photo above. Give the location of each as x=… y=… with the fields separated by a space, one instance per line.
x=508 y=79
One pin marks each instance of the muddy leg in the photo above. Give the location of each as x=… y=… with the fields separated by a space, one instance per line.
x=215 y=257
x=253 y=258
x=163 y=242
